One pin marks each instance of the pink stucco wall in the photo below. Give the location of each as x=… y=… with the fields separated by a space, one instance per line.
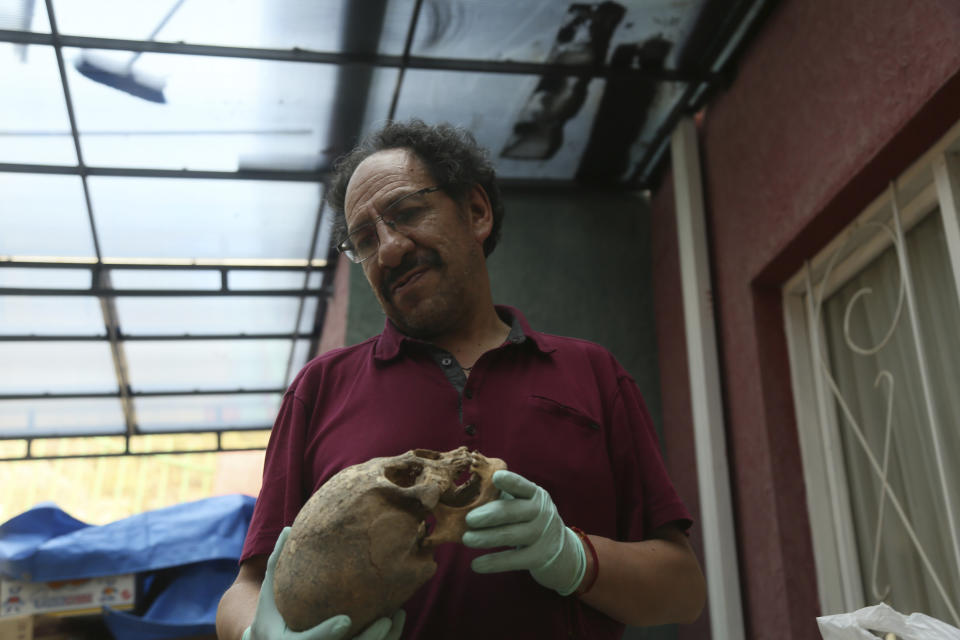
x=832 y=100
x=334 y=334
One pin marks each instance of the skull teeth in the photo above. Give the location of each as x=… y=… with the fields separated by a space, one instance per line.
x=463 y=494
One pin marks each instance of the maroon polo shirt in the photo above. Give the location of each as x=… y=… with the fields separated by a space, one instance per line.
x=560 y=411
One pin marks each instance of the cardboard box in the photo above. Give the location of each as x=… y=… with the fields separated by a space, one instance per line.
x=87 y=595
x=18 y=628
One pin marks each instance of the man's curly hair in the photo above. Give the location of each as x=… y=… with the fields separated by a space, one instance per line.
x=450 y=154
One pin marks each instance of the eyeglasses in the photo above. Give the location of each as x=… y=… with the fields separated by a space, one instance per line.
x=403 y=216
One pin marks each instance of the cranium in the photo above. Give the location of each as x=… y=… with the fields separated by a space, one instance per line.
x=363 y=543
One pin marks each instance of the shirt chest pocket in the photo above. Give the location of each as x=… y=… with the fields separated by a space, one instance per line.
x=555 y=410
x=556 y=435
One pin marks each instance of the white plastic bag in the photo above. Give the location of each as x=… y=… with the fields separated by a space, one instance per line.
x=884 y=619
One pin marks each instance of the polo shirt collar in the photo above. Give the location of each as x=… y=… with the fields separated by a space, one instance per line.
x=391 y=340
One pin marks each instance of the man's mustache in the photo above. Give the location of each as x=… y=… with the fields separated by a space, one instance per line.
x=411 y=261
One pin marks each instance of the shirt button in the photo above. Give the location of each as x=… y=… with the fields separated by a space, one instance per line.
x=468 y=393
x=470 y=429
x=446 y=362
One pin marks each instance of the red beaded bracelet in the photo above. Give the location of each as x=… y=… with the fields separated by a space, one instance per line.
x=593 y=554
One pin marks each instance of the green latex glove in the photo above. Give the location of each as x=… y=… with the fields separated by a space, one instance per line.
x=268 y=624
x=525 y=517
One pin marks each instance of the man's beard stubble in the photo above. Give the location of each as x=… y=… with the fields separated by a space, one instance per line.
x=429 y=258
x=433 y=321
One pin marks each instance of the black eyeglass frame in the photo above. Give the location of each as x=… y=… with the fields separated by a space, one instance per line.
x=346 y=246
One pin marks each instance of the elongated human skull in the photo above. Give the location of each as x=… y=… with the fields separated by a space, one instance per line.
x=363 y=543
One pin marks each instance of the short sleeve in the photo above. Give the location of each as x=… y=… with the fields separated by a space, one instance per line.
x=646 y=496
x=282 y=493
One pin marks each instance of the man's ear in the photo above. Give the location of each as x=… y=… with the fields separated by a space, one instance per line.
x=480 y=213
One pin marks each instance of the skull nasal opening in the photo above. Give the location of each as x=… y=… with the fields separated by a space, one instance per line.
x=404 y=475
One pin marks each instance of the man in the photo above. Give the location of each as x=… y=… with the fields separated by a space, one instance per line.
x=420 y=213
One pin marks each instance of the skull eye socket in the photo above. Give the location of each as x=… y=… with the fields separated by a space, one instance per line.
x=404 y=475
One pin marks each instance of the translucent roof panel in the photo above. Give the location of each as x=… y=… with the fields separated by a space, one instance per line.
x=48 y=278
x=49 y=315
x=207 y=364
x=56 y=367
x=43 y=215
x=194 y=218
x=308 y=315
x=324 y=234
x=301 y=354
x=60 y=417
x=489 y=104
x=29 y=15
x=206 y=412
x=505 y=30
x=272 y=279
x=220 y=113
x=270 y=24
x=34 y=127
x=165 y=279
x=207 y=315
x=487 y=29
x=383 y=85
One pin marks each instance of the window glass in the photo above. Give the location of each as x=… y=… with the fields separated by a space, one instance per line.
x=870 y=368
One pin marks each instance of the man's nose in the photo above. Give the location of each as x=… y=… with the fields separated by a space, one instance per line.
x=393 y=245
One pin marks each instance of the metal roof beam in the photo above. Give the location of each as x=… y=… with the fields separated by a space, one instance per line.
x=100 y=278
x=356 y=58
x=102 y=292
x=68 y=262
x=505 y=182
x=139 y=394
x=71 y=456
x=124 y=172
x=156 y=337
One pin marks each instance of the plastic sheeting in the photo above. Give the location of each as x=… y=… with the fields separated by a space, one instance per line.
x=883 y=619
x=185 y=557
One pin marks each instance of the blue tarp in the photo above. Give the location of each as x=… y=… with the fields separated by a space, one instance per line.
x=185 y=556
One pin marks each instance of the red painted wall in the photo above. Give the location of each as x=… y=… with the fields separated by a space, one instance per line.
x=334 y=334
x=832 y=100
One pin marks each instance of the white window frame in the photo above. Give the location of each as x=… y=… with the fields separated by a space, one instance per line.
x=932 y=181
